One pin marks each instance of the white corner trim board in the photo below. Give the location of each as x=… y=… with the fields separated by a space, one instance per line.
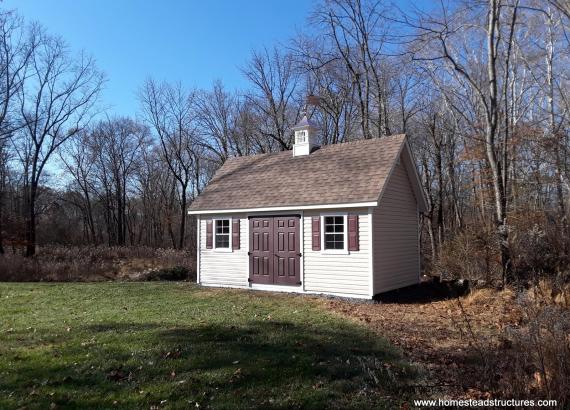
x=199 y=250
x=371 y=252
x=283 y=208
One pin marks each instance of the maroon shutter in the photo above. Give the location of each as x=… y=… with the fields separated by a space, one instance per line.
x=353 y=233
x=316 y=233
x=235 y=234
x=209 y=234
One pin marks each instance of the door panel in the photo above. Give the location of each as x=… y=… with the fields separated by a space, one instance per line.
x=261 y=250
x=275 y=250
x=287 y=252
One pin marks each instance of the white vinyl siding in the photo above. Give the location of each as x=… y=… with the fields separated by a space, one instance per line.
x=346 y=273
x=395 y=219
x=224 y=267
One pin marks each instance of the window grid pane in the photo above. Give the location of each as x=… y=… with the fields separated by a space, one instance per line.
x=334 y=232
x=222 y=233
x=222 y=241
x=223 y=226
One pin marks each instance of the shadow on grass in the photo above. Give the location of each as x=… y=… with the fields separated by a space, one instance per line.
x=260 y=363
x=122 y=327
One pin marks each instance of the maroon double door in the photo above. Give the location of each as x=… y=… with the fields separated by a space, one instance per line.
x=274 y=250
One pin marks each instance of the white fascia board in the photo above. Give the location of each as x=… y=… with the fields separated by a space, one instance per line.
x=283 y=208
x=418 y=188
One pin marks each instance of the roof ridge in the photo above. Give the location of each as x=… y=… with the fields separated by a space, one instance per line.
x=361 y=140
x=322 y=147
x=259 y=154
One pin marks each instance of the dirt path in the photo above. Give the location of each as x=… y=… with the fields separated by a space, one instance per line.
x=450 y=339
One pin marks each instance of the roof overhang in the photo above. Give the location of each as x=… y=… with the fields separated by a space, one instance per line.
x=283 y=208
x=417 y=184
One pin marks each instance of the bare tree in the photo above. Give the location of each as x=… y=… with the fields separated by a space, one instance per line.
x=562 y=5
x=56 y=100
x=80 y=164
x=4 y=158
x=357 y=31
x=436 y=36
x=116 y=146
x=275 y=84
x=329 y=78
x=155 y=187
x=216 y=114
x=169 y=111
x=17 y=45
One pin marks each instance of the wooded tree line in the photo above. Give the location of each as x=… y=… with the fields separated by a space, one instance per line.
x=481 y=89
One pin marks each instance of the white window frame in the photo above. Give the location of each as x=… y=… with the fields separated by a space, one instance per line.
x=343 y=251
x=229 y=248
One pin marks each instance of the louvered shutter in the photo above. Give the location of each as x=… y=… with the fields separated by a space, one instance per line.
x=316 y=233
x=235 y=234
x=353 y=242
x=209 y=234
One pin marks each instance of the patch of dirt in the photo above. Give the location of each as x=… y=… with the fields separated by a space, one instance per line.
x=449 y=337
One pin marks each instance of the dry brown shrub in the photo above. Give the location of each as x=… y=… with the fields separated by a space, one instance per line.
x=470 y=255
x=92 y=263
x=533 y=358
x=527 y=356
x=546 y=292
x=537 y=245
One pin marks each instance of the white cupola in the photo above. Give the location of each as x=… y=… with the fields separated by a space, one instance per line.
x=305 y=137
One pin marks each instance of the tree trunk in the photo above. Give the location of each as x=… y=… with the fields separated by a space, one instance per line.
x=563 y=224
x=439 y=175
x=432 y=239
x=1 y=216
x=183 y=217
x=490 y=147
x=31 y=222
x=2 y=185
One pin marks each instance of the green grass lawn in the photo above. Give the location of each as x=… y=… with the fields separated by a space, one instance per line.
x=175 y=345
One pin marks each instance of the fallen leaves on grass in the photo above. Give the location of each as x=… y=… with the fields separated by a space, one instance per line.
x=236 y=376
x=172 y=354
x=444 y=336
x=118 y=375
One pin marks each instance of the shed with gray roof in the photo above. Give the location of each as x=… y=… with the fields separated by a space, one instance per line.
x=340 y=219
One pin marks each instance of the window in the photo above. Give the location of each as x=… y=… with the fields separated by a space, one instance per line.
x=222 y=233
x=334 y=232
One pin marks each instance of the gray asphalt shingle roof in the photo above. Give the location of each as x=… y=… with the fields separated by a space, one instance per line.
x=344 y=173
